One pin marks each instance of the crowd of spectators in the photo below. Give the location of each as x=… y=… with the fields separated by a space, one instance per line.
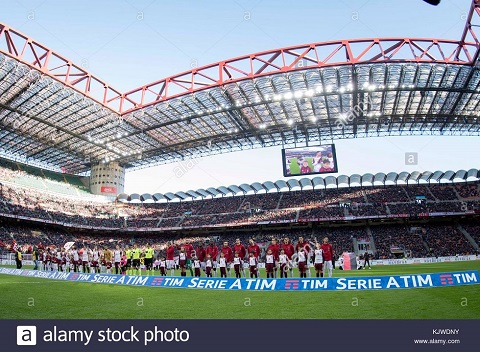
x=324 y=212
x=220 y=205
x=28 y=236
x=265 y=201
x=445 y=240
x=272 y=207
x=443 y=192
x=274 y=215
x=366 y=210
x=411 y=209
x=473 y=230
x=399 y=236
x=468 y=190
x=390 y=194
x=414 y=191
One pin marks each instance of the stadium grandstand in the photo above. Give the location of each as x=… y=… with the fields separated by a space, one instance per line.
x=411 y=217
x=67 y=138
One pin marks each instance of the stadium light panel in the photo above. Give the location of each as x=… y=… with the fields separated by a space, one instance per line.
x=309 y=93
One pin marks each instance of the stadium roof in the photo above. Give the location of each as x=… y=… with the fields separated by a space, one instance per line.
x=316 y=183
x=55 y=114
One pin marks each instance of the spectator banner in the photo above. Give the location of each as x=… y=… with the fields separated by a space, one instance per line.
x=290 y=284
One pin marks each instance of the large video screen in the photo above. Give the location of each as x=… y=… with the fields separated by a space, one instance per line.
x=320 y=159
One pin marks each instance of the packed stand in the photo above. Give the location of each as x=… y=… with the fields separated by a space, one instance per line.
x=468 y=190
x=473 y=230
x=388 y=236
x=444 y=240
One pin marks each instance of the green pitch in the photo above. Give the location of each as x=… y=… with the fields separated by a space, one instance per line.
x=295 y=168
x=33 y=298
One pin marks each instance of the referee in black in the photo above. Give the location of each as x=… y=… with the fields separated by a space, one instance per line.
x=366 y=259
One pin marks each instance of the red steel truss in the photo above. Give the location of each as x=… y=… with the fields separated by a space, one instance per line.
x=316 y=55
x=336 y=53
x=26 y=50
x=469 y=35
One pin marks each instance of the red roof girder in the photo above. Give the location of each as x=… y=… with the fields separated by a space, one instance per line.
x=316 y=55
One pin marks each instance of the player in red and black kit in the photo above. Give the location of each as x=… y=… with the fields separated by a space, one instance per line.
x=201 y=255
x=327 y=256
x=228 y=253
x=275 y=248
x=308 y=252
x=170 y=258
x=189 y=250
x=212 y=251
x=253 y=247
x=242 y=253
x=289 y=251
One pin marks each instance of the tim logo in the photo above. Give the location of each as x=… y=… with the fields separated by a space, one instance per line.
x=158 y=281
x=291 y=284
x=73 y=276
x=26 y=335
x=446 y=279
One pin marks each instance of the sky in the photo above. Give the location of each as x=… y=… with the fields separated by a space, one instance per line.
x=133 y=42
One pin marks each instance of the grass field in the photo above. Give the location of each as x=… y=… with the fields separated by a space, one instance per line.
x=33 y=298
x=295 y=168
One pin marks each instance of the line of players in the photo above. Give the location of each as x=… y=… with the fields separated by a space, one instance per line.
x=84 y=259
x=279 y=259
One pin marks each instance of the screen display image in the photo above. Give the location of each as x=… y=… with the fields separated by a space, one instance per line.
x=314 y=160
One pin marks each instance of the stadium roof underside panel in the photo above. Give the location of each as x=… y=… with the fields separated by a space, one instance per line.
x=318 y=183
x=56 y=115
